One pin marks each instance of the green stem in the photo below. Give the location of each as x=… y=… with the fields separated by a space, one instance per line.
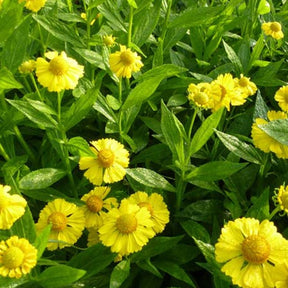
x=36 y=87
x=274 y=212
x=3 y=153
x=180 y=189
x=192 y=122
x=167 y=16
x=59 y=100
x=23 y=143
x=2 y=100
x=129 y=36
x=27 y=85
x=120 y=90
x=41 y=38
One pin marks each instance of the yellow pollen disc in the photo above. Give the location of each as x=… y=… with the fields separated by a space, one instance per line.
x=58 y=66
x=244 y=81
x=126 y=223
x=106 y=157
x=147 y=205
x=58 y=221
x=12 y=257
x=201 y=98
x=94 y=203
x=255 y=249
x=275 y=27
x=127 y=57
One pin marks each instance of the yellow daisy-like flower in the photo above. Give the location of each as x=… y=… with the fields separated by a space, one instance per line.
x=127 y=229
x=27 y=67
x=124 y=62
x=281 y=198
x=93 y=236
x=247 y=87
x=96 y=205
x=200 y=95
x=280 y=275
x=273 y=29
x=60 y=73
x=281 y=96
x=265 y=142
x=33 y=5
x=12 y=207
x=17 y=257
x=67 y=221
x=109 y=40
x=155 y=205
x=249 y=251
x=108 y=164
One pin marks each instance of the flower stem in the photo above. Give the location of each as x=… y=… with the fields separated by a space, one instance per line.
x=180 y=189
x=59 y=100
x=274 y=212
x=129 y=36
x=3 y=153
x=36 y=87
x=192 y=122
x=120 y=90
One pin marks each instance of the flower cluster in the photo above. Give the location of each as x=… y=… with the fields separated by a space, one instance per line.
x=224 y=91
x=254 y=254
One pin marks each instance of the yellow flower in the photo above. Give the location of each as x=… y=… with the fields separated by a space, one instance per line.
x=265 y=142
x=155 y=205
x=67 y=223
x=27 y=67
x=109 y=40
x=93 y=236
x=12 y=207
x=273 y=29
x=281 y=198
x=17 y=257
x=124 y=62
x=60 y=73
x=280 y=275
x=127 y=229
x=108 y=164
x=84 y=16
x=247 y=87
x=33 y=5
x=96 y=205
x=281 y=96
x=249 y=251
x=200 y=95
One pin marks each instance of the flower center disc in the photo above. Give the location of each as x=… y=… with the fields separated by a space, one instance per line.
x=58 y=66
x=126 y=223
x=255 y=249
x=127 y=58
x=275 y=27
x=58 y=221
x=94 y=203
x=106 y=157
x=243 y=82
x=12 y=258
x=201 y=98
x=147 y=205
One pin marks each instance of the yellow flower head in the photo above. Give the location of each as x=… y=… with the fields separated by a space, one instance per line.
x=27 y=67
x=67 y=221
x=127 y=229
x=281 y=96
x=12 y=207
x=33 y=5
x=96 y=205
x=200 y=95
x=124 y=62
x=265 y=142
x=84 y=16
x=17 y=257
x=280 y=275
x=108 y=164
x=155 y=205
x=109 y=40
x=93 y=236
x=249 y=251
x=281 y=198
x=273 y=29
x=247 y=88
x=60 y=73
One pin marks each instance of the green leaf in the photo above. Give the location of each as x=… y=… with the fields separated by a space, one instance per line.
x=41 y=178
x=148 y=266
x=132 y=3
x=174 y=133
x=149 y=178
x=215 y=170
x=119 y=274
x=232 y=56
x=277 y=129
x=207 y=250
x=175 y=271
x=59 y=29
x=92 y=57
x=59 y=276
x=155 y=246
x=79 y=146
x=239 y=148
x=196 y=230
x=42 y=240
x=7 y=80
x=261 y=108
x=264 y=7
x=38 y=117
x=205 y=131
x=94 y=259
